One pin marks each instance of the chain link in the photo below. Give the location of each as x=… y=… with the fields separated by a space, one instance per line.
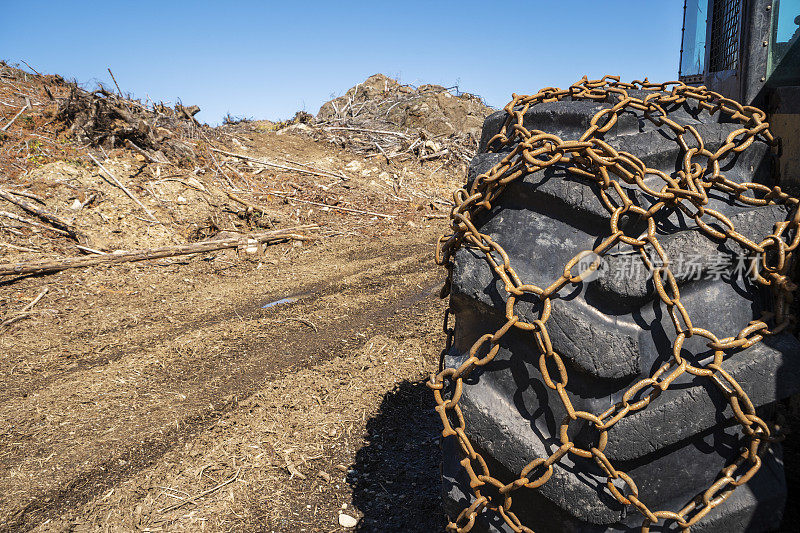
x=595 y=161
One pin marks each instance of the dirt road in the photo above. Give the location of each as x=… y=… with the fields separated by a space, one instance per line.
x=277 y=389
x=158 y=361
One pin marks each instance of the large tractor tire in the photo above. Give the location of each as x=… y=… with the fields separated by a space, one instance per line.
x=611 y=332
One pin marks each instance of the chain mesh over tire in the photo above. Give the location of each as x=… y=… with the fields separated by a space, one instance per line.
x=653 y=409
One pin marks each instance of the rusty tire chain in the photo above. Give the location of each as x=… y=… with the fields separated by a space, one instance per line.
x=596 y=161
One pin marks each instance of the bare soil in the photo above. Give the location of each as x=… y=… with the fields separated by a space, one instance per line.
x=135 y=387
x=208 y=379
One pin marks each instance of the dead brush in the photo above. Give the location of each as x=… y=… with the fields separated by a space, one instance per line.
x=101 y=118
x=382 y=117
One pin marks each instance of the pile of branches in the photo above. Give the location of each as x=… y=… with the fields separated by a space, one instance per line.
x=104 y=119
x=394 y=120
x=392 y=144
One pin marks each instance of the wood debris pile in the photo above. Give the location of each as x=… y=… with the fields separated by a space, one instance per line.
x=53 y=117
x=383 y=117
x=94 y=177
x=103 y=118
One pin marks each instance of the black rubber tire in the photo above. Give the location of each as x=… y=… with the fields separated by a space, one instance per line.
x=612 y=333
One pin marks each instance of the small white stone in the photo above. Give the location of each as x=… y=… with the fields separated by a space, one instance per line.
x=345 y=520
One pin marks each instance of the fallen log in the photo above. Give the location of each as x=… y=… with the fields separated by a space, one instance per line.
x=24 y=220
x=47 y=266
x=47 y=216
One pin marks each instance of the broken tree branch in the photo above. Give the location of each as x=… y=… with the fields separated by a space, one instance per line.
x=35 y=300
x=46 y=88
x=119 y=91
x=124 y=189
x=28 y=194
x=21 y=111
x=58 y=222
x=144 y=153
x=14 y=319
x=25 y=312
x=30 y=67
x=333 y=174
x=314 y=172
x=364 y=130
x=385 y=155
x=434 y=155
x=301 y=320
x=28 y=221
x=293 y=471
x=197 y=496
x=214 y=159
x=42 y=267
x=254 y=207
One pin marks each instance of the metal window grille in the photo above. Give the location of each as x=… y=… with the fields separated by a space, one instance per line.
x=725 y=22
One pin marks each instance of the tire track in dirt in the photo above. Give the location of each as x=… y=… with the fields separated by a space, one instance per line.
x=209 y=384
x=246 y=309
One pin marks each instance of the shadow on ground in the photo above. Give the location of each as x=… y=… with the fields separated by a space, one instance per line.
x=395 y=476
x=791 y=460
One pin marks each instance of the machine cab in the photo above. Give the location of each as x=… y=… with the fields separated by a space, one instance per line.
x=749 y=50
x=741 y=48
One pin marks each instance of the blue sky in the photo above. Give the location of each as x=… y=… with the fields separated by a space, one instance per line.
x=268 y=60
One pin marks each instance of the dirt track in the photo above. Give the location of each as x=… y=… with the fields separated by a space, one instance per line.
x=135 y=387
x=159 y=357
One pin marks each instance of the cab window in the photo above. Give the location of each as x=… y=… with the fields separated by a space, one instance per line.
x=693 y=49
x=783 y=64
